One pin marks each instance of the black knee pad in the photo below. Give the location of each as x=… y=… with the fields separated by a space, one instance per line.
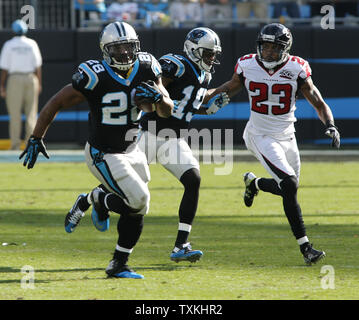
x=289 y=185
x=191 y=179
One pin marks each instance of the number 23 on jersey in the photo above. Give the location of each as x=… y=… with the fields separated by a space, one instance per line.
x=261 y=94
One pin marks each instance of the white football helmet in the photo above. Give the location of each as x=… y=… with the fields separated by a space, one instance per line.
x=202 y=46
x=119 y=44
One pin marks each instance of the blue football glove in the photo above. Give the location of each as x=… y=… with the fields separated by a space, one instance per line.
x=34 y=147
x=217 y=102
x=148 y=91
x=332 y=131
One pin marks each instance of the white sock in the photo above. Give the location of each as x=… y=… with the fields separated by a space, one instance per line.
x=256 y=183
x=89 y=198
x=122 y=249
x=302 y=240
x=184 y=227
x=105 y=201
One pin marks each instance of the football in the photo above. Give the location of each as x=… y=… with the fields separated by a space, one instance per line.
x=146 y=106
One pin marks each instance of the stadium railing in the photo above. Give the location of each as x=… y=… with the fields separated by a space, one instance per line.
x=60 y=15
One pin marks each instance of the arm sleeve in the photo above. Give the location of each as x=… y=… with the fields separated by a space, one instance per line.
x=37 y=55
x=80 y=81
x=171 y=69
x=305 y=71
x=238 y=69
x=156 y=68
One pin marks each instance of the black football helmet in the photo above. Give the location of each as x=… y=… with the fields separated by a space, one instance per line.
x=278 y=34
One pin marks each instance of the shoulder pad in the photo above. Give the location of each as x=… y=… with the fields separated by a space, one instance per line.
x=247 y=57
x=90 y=69
x=148 y=59
x=242 y=62
x=172 y=66
x=304 y=69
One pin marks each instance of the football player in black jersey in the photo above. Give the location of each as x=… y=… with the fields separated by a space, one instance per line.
x=109 y=87
x=186 y=77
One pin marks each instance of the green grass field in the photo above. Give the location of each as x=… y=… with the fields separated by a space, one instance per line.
x=249 y=253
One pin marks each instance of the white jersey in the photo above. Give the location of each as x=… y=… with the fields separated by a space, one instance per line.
x=272 y=94
x=20 y=54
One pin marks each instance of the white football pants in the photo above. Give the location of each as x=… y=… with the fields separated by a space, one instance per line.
x=279 y=157
x=125 y=174
x=174 y=154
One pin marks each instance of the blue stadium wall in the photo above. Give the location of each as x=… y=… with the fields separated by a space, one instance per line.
x=333 y=55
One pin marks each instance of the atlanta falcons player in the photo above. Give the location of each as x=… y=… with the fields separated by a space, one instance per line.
x=273 y=78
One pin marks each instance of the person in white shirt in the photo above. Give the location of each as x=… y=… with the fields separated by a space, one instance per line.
x=273 y=79
x=20 y=81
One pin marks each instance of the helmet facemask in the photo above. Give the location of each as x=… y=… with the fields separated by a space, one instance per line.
x=120 y=45
x=121 y=55
x=282 y=54
x=202 y=46
x=279 y=35
x=206 y=58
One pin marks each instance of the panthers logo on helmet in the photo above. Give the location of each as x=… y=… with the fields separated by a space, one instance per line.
x=196 y=35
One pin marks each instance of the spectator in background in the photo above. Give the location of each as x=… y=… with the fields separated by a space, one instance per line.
x=122 y=10
x=182 y=11
x=291 y=6
x=216 y=9
x=20 y=83
x=156 y=12
x=246 y=7
x=89 y=10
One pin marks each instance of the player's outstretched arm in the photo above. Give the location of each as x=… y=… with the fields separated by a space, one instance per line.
x=314 y=97
x=66 y=97
x=231 y=88
x=216 y=103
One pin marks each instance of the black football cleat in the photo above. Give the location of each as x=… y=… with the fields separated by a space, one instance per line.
x=116 y=269
x=74 y=216
x=185 y=253
x=251 y=190
x=311 y=255
x=99 y=215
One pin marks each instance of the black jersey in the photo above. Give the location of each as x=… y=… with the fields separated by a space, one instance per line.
x=187 y=90
x=110 y=98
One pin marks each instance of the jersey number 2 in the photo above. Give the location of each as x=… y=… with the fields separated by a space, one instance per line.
x=285 y=99
x=117 y=114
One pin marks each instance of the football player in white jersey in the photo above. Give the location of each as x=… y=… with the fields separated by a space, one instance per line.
x=273 y=78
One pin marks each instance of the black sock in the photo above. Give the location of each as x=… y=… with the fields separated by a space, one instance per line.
x=129 y=230
x=304 y=246
x=295 y=219
x=117 y=204
x=182 y=237
x=83 y=204
x=291 y=206
x=269 y=185
x=122 y=257
x=191 y=181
